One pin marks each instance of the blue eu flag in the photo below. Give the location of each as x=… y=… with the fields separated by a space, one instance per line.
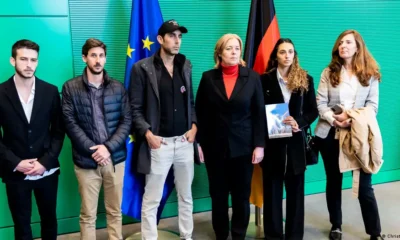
x=146 y=18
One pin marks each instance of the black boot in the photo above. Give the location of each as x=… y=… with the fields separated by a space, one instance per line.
x=335 y=234
x=377 y=238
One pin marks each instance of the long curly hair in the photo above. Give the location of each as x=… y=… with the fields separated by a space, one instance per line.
x=363 y=63
x=297 y=77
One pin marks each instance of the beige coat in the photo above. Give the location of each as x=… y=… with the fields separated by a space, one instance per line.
x=361 y=145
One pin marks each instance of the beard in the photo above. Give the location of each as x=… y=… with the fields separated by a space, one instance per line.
x=169 y=51
x=94 y=71
x=22 y=74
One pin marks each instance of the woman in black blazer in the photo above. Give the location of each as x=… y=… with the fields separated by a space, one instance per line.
x=285 y=163
x=231 y=129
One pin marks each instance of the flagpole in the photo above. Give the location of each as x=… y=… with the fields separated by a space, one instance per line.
x=258 y=221
x=262 y=31
x=256 y=230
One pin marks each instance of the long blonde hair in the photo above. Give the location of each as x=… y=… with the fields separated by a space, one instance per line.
x=297 y=77
x=221 y=44
x=363 y=63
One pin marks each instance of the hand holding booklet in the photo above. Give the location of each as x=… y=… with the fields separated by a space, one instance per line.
x=276 y=113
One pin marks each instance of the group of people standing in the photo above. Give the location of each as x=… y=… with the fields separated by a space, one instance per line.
x=224 y=126
x=232 y=136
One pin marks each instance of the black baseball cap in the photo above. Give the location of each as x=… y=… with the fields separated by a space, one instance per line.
x=170 y=26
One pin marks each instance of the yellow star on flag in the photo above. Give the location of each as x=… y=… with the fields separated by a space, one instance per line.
x=129 y=51
x=131 y=138
x=147 y=43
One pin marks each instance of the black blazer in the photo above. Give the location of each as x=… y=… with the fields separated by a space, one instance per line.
x=233 y=126
x=275 y=151
x=42 y=138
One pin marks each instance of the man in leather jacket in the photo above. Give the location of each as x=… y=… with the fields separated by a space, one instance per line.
x=164 y=121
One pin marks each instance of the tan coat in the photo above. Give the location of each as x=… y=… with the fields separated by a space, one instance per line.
x=361 y=145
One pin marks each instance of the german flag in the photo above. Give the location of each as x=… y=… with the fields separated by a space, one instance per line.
x=262 y=35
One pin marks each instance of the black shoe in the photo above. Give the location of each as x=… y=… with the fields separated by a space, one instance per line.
x=377 y=238
x=335 y=234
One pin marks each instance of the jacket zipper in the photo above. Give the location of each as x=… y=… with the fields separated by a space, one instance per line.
x=106 y=123
x=90 y=97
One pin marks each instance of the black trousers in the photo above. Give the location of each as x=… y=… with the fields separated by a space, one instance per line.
x=19 y=196
x=230 y=175
x=273 y=194
x=329 y=148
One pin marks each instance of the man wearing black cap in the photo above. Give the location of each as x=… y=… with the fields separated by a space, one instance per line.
x=164 y=122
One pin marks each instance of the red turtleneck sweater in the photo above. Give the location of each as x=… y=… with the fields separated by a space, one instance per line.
x=230 y=75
